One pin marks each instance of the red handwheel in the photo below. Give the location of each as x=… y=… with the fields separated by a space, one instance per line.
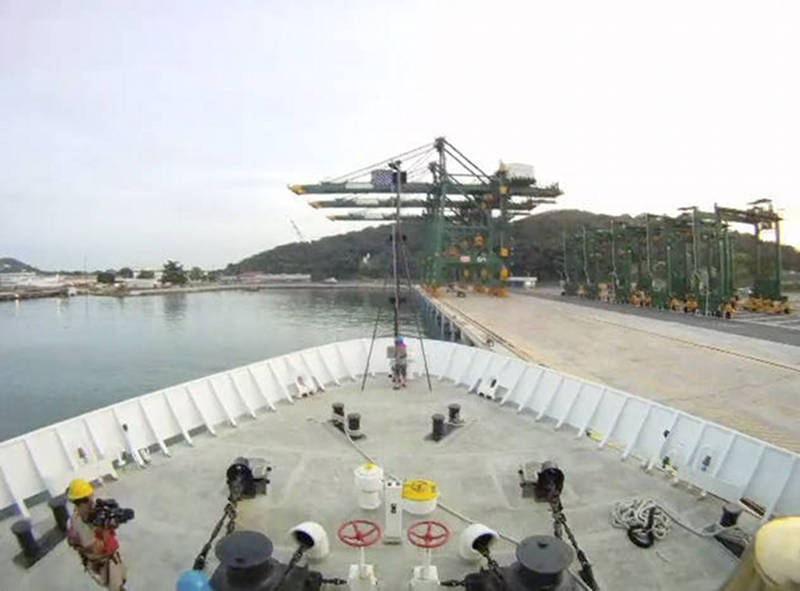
x=359 y=533
x=428 y=534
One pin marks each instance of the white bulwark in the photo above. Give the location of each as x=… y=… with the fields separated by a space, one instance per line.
x=711 y=457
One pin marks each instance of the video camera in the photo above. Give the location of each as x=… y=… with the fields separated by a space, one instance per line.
x=108 y=514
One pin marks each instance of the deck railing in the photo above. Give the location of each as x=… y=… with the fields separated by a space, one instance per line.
x=711 y=457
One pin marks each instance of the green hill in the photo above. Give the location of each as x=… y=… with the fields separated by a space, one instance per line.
x=536 y=249
x=9 y=265
x=365 y=253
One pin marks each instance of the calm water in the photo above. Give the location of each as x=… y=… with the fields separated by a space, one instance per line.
x=59 y=358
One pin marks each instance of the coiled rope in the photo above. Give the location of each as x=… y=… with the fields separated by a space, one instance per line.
x=644 y=520
x=646 y=515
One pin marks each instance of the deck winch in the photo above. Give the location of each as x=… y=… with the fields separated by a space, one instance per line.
x=248 y=477
x=541 y=480
x=545 y=482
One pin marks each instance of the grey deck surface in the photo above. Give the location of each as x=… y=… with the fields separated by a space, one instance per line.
x=178 y=499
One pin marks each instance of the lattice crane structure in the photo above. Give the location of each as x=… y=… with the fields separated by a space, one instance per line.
x=685 y=263
x=466 y=212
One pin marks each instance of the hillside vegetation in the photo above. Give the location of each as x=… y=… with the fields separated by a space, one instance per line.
x=10 y=265
x=536 y=249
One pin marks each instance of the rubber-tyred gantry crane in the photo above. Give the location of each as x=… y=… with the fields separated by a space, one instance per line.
x=466 y=212
x=686 y=262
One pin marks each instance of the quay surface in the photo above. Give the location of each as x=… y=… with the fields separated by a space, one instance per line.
x=749 y=384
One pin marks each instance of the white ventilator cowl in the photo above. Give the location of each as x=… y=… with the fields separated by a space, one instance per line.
x=468 y=538
x=310 y=529
x=369 y=484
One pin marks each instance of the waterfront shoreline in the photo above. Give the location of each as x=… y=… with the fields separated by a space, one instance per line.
x=34 y=294
x=11 y=296
x=243 y=287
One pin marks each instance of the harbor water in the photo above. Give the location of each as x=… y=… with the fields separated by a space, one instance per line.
x=62 y=357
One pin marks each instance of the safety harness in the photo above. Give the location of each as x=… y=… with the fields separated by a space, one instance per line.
x=97 y=566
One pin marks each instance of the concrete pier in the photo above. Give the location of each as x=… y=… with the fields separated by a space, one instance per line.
x=749 y=384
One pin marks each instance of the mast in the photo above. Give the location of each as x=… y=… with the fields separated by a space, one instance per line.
x=395 y=166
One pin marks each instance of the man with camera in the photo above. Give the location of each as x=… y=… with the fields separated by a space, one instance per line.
x=92 y=534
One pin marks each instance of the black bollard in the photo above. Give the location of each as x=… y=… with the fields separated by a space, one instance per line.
x=438 y=426
x=730 y=514
x=58 y=505
x=453 y=413
x=23 y=531
x=338 y=413
x=354 y=425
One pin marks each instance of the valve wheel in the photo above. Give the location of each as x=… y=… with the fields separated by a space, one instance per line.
x=359 y=533
x=428 y=534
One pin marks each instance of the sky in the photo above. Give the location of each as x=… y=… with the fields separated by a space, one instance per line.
x=139 y=131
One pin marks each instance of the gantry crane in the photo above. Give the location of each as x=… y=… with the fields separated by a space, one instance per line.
x=297 y=231
x=684 y=262
x=466 y=211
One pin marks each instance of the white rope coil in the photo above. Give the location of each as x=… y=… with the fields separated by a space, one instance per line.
x=635 y=513
x=626 y=514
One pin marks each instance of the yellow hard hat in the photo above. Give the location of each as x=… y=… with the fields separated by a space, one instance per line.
x=79 y=489
x=772 y=562
x=777 y=552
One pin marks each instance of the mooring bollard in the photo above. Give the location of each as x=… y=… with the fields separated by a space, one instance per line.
x=23 y=531
x=438 y=427
x=354 y=425
x=338 y=414
x=454 y=413
x=58 y=505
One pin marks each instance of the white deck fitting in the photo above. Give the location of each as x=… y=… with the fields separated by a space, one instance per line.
x=476 y=466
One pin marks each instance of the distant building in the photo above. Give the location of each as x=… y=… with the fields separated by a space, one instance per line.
x=33 y=280
x=132 y=283
x=17 y=279
x=256 y=277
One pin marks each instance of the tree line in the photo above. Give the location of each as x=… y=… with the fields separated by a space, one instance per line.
x=536 y=246
x=172 y=273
